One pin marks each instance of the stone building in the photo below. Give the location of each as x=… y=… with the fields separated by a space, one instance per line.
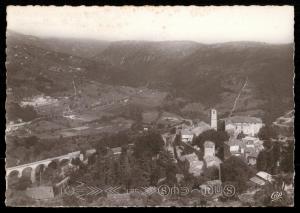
x=243 y=124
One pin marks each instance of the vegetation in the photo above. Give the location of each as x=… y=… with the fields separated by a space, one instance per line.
x=266 y=133
x=235 y=170
x=14 y=112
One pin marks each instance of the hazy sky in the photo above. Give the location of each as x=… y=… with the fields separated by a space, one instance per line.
x=273 y=24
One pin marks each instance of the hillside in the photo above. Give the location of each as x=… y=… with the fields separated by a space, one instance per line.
x=205 y=75
x=211 y=75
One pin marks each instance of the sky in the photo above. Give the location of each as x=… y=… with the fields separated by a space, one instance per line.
x=210 y=24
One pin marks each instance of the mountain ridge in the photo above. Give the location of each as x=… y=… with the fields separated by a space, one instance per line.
x=207 y=73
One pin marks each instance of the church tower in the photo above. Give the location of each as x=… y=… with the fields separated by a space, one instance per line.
x=213 y=119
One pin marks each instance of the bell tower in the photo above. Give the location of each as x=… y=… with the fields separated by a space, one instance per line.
x=213 y=119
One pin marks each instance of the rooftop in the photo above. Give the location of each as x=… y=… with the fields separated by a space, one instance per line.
x=116 y=150
x=186 y=132
x=242 y=119
x=236 y=142
x=209 y=144
x=258 y=181
x=264 y=175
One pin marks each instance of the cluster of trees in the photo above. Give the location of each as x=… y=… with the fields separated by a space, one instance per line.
x=236 y=171
x=25 y=149
x=15 y=112
x=140 y=166
x=263 y=197
x=133 y=112
x=32 y=148
x=275 y=157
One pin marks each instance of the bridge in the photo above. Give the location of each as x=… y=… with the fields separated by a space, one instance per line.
x=45 y=163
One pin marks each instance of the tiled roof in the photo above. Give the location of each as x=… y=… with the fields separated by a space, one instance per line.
x=243 y=119
x=190 y=157
x=236 y=142
x=264 y=175
x=200 y=127
x=257 y=181
x=186 y=132
x=252 y=152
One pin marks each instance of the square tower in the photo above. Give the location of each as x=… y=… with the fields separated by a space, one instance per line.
x=213 y=119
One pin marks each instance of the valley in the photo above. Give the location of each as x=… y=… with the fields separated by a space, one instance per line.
x=74 y=90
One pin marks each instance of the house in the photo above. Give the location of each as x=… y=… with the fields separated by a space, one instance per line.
x=251 y=156
x=265 y=176
x=195 y=164
x=246 y=149
x=209 y=148
x=116 y=150
x=187 y=136
x=188 y=132
x=212 y=161
x=209 y=155
x=200 y=127
x=234 y=147
x=262 y=178
x=243 y=124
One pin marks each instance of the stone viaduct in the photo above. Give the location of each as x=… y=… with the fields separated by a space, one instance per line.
x=45 y=163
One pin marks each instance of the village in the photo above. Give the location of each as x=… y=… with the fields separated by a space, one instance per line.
x=179 y=138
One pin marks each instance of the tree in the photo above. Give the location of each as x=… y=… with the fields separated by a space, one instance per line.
x=261 y=162
x=235 y=170
x=166 y=160
x=23 y=183
x=149 y=145
x=266 y=133
x=124 y=168
x=140 y=175
x=173 y=130
x=263 y=197
x=267 y=159
x=287 y=161
x=212 y=173
x=18 y=198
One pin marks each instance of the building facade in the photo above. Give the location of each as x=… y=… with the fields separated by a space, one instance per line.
x=213 y=119
x=243 y=124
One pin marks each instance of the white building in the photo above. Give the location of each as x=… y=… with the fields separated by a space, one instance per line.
x=195 y=165
x=188 y=132
x=209 y=155
x=187 y=136
x=213 y=119
x=248 y=125
x=209 y=148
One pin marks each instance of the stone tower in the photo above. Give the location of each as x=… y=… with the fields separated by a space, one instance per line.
x=209 y=148
x=213 y=119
